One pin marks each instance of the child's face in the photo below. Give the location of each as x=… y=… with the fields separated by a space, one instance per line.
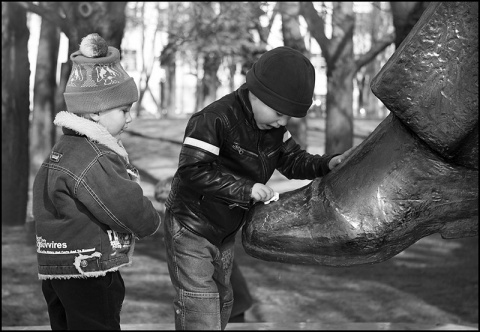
x=266 y=117
x=115 y=120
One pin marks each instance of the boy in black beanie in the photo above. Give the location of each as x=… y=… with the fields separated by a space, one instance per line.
x=231 y=149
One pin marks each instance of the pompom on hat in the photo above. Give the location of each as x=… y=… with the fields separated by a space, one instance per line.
x=98 y=81
x=283 y=79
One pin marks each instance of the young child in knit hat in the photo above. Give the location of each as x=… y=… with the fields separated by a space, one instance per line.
x=88 y=205
x=230 y=150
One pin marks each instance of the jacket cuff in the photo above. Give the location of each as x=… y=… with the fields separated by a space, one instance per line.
x=248 y=191
x=325 y=168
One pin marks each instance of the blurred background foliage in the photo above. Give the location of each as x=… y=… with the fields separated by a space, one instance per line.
x=183 y=56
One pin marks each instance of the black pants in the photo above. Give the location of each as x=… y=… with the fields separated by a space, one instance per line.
x=242 y=299
x=85 y=303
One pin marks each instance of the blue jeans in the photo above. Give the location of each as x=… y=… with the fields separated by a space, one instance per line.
x=200 y=273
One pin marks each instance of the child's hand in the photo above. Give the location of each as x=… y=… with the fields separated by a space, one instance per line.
x=261 y=192
x=339 y=159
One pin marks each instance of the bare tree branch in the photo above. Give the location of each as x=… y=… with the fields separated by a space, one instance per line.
x=268 y=29
x=377 y=48
x=316 y=26
x=51 y=15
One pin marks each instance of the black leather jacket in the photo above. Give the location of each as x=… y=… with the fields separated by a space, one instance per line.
x=223 y=155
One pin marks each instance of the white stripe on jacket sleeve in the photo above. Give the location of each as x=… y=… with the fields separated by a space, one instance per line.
x=202 y=145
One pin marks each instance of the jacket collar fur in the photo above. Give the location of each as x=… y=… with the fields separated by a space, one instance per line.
x=91 y=130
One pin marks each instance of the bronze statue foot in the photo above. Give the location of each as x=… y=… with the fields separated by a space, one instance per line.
x=391 y=191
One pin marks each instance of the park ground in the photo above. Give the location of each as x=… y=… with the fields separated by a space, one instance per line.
x=433 y=282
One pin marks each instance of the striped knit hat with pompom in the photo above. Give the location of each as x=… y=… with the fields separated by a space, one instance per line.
x=98 y=81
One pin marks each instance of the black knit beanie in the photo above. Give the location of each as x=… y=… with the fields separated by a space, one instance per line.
x=283 y=79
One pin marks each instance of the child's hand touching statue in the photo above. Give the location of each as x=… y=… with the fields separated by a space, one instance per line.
x=262 y=193
x=335 y=161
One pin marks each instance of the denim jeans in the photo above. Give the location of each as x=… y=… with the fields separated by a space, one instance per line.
x=200 y=273
x=85 y=303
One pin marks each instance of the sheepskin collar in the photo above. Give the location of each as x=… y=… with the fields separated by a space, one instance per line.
x=92 y=130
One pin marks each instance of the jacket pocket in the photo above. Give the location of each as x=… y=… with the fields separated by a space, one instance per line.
x=86 y=264
x=226 y=218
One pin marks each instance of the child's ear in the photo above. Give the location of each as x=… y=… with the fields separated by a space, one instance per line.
x=95 y=116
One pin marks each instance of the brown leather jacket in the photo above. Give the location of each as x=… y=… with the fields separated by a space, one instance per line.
x=223 y=155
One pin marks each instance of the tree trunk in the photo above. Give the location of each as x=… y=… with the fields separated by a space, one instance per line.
x=211 y=62
x=294 y=39
x=143 y=80
x=15 y=114
x=199 y=96
x=210 y=82
x=168 y=86
x=374 y=25
x=168 y=63
x=168 y=89
x=405 y=16
x=338 y=54
x=147 y=68
x=340 y=70
x=106 y=18
x=339 y=120
x=43 y=132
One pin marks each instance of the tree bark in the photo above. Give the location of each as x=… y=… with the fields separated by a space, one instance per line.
x=210 y=81
x=405 y=16
x=43 y=132
x=146 y=72
x=294 y=39
x=341 y=68
x=374 y=25
x=76 y=21
x=168 y=63
x=212 y=59
x=15 y=114
x=168 y=86
x=338 y=54
x=340 y=71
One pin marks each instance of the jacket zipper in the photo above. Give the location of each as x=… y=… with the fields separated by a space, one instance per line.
x=241 y=150
x=273 y=152
x=262 y=159
x=232 y=205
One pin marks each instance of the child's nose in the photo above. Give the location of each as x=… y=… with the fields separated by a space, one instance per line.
x=283 y=120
